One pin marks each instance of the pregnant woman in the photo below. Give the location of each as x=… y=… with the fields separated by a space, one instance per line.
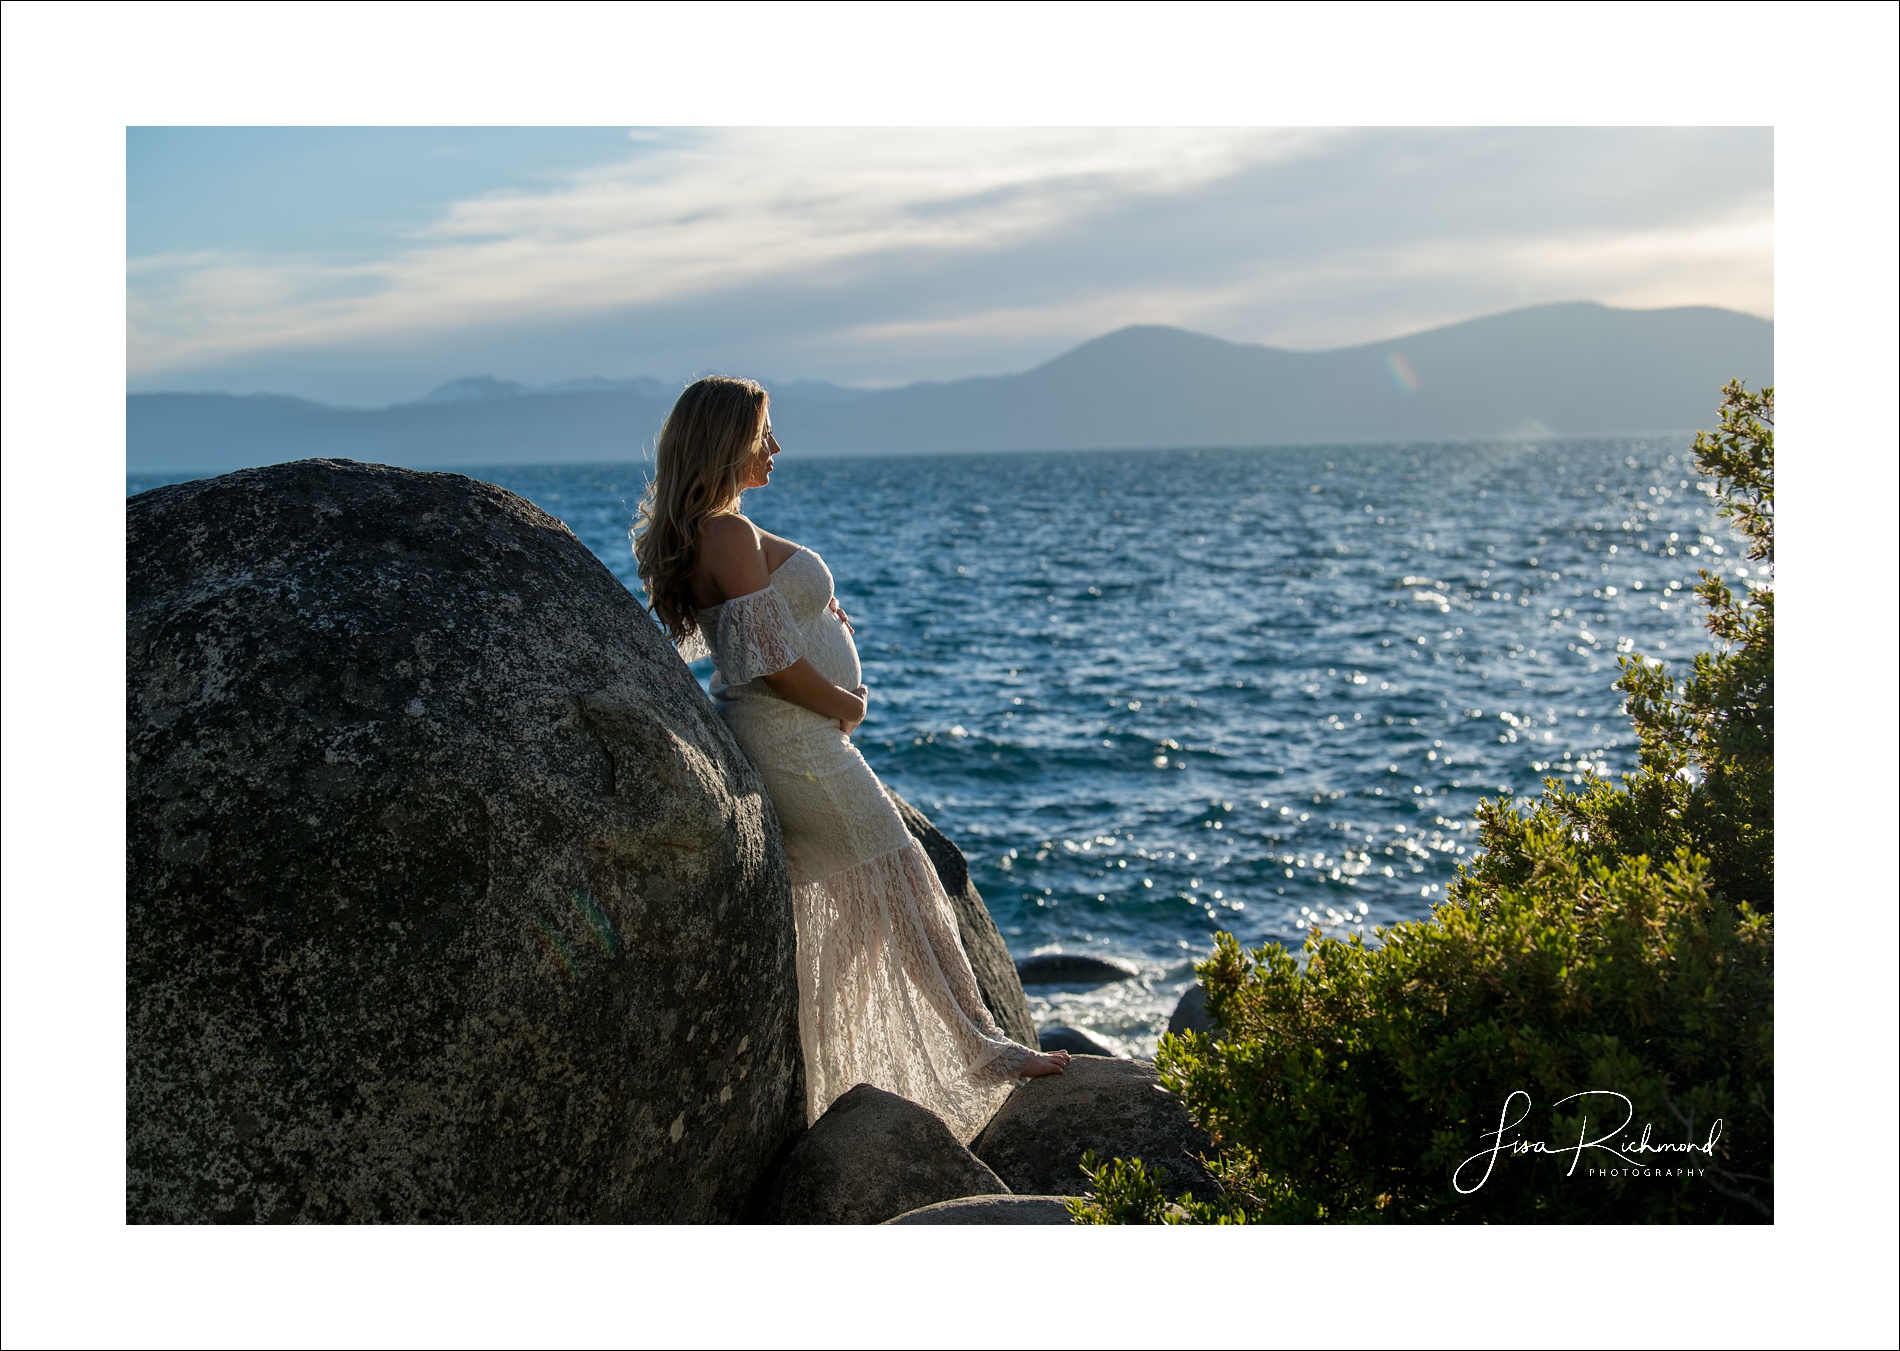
x=885 y=992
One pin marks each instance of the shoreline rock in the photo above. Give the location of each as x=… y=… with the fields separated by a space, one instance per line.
x=991 y=1210
x=1076 y=1041
x=1191 y=1015
x=1116 y=1107
x=1073 y=968
x=872 y=1157
x=450 y=897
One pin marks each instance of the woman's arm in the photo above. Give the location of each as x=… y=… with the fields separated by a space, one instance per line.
x=802 y=683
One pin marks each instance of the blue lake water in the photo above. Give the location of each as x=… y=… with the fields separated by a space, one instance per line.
x=1158 y=694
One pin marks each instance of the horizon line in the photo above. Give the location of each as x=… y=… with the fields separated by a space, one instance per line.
x=468 y=469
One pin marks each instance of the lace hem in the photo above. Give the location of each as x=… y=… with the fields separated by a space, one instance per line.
x=886 y=996
x=754 y=635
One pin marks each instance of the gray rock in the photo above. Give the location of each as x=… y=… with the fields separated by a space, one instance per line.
x=871 y=1157
x=450 y=898
x=1191 y=1015
x=1073 y=968
x=991 y=1210
x=1075 y=1041
x=989 y=957
x=1115 y=1107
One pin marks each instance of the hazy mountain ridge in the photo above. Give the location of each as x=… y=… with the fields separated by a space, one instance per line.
x=486 y=388
x=1576 y=369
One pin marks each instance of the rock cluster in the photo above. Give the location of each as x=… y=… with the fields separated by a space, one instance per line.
x=877 y=1158
x=450 y=898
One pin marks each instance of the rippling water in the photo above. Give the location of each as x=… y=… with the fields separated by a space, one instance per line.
x=1153 y=695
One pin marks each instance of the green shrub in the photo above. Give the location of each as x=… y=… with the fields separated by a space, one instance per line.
x=1609 y=953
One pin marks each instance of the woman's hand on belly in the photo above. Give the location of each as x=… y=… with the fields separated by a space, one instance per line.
x=831 y=650
x=838 y=610
x=850 y=725
x=804 y=684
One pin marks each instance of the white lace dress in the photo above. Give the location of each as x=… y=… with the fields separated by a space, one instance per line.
x=885 y=992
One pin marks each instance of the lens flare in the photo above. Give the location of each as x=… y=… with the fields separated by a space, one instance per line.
x=599 y=927
x=594 y=922
x=556 y=947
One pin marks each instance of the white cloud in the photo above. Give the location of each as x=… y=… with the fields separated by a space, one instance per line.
x=1731 y=258
x=704 y=213
x=1349 y=296
x=881 y=256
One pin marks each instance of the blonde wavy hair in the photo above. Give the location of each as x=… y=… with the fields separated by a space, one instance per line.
x=711 y=434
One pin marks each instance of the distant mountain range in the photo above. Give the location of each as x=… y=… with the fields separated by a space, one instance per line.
x=1554 y=370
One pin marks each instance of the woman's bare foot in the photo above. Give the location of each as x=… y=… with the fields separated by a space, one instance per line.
x=1044 y=1062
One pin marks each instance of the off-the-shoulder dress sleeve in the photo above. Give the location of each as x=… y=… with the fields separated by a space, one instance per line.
x=755 y=636
x=692 y=647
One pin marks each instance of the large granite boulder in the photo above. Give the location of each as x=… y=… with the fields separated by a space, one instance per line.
x=449 y=896
x=989 y=956
x=1117 y=1108
x=871 y=1157
x=991 y=1210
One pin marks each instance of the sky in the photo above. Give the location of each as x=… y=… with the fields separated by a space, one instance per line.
x=366 y=266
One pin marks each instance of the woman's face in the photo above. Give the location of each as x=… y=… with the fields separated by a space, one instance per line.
x=758 y=470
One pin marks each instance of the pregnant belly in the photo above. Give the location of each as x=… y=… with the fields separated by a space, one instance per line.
x=831 y=650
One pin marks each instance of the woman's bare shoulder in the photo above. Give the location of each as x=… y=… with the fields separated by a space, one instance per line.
x=729 y=532
x=777 y=548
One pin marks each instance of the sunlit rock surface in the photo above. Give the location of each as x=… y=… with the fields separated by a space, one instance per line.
x=991 y=1210
x=1117 y=1108
x=450 y=897
x=872 y=1157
